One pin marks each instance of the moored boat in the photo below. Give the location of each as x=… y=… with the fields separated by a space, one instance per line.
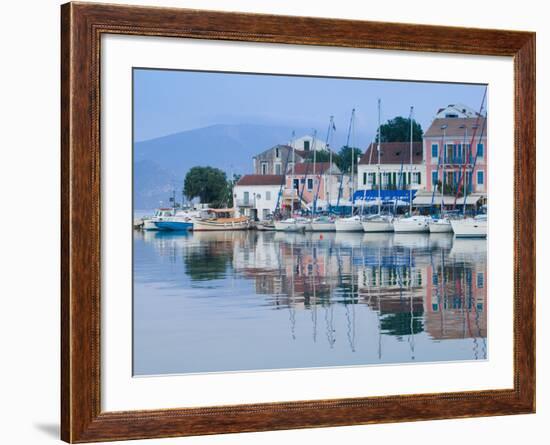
x=160 y=215
x=470 y=227
x=291 y=225
x=322 y=224
x=441 y=225
x=415 y=223
x=378 y=223
x=350 y=224
x=174 y=224
x=265 y=225
x=221 y=219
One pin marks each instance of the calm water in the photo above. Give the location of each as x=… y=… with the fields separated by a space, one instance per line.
x=206 y=302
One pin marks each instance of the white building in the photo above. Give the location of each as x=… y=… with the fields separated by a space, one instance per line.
x=309 y=143
x=456 y=111
x=255 y=196
x=395 y=167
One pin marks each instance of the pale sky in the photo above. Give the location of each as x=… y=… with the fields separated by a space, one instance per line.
x=170 y=101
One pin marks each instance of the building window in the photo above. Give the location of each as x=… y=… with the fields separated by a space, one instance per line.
x=364 y=178
x=277 y=153
x=296 y=184
x=246 y=198
x=435 y=178
x=435 y=151
x=480 y=280
x=268 y=196
x=310 y=184
x=480 y=177
x=264 y=168
x=278 y=168
x=306 y=145
x=480 y=150
x=372 y=178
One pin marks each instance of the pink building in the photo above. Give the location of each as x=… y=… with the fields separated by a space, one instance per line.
x=456 y=145
x=323 y=183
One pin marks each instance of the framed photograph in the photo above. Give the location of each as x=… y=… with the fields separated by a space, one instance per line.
x=274 y=222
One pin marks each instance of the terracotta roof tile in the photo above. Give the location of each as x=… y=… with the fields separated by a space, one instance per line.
x=453 y=127
x=392 y=153
x=261 y=180
x=304 y=168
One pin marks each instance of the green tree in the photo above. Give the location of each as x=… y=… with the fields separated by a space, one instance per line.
x=321 y=156
x=398 y=129
x=209 y=184
x=345 y=156
x=229 y=190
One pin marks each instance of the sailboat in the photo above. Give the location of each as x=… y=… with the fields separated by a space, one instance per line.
x=443 y=223
x=322 y=223
x=378 y=222
x=472 y=227
x=352 y=223
x=411 y=223
x=292 y=224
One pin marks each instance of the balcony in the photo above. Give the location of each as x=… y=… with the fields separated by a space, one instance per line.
x=290 y=193
x=244 y=203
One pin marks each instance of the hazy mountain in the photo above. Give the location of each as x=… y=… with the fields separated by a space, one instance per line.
x=152 y=184
x=160 y=164
x=224 y=146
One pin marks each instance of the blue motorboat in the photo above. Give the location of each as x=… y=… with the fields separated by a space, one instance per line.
x=173 y=224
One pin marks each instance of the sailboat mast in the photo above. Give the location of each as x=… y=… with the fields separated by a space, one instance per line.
x=352 y=159
x=293 y=145
x=327 y=143
x=379 y=175
x=411 y=163
x=314 y=202
x=444 y=152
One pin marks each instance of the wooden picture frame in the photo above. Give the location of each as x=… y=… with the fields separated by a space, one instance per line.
x=82 y=26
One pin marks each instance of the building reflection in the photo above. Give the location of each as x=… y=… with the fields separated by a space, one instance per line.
x=415 y=284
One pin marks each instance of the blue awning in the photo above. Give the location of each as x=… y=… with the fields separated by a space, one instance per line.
x=389 y=196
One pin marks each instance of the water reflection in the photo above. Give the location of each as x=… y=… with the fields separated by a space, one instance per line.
x=220 y=301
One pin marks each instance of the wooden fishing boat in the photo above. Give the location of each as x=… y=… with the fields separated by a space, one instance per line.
x=221 y=219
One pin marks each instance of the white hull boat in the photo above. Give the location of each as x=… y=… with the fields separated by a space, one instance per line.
x=442 y=225
x=351 y=224
x=412 y=224
x=378 y=223
x=470 y=227
x=321 y=224
x=291 y=225
x=149 y=224
x=265 y=226
x=160 y=215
